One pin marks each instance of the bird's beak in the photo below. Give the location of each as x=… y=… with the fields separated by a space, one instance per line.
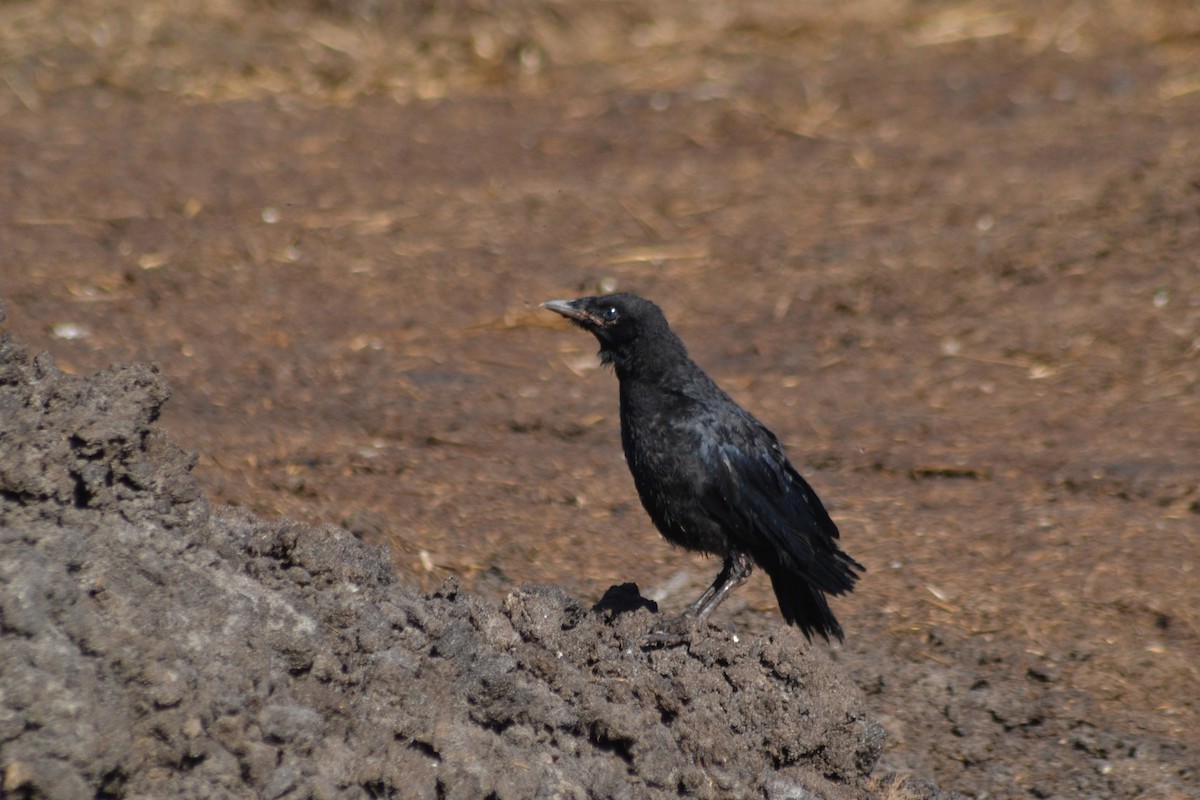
x=567 y=309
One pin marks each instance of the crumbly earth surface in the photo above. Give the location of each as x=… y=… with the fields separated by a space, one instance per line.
x=156 y=647
x=949 y=253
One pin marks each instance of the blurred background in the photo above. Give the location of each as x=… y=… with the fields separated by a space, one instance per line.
x=948 y=252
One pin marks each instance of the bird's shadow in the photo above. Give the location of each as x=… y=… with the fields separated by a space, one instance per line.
x=623 y=599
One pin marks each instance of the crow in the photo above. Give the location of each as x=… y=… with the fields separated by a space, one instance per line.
x=712 y=477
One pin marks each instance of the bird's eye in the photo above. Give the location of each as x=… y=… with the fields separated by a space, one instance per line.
x=610 y=314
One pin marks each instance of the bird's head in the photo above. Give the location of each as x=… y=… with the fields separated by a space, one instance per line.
x=618 y=321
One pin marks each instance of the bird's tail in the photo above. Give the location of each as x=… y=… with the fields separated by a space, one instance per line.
x=805 y=606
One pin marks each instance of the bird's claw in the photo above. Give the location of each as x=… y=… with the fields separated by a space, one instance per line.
x=672 y=632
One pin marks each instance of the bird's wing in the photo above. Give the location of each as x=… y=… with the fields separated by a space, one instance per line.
x=765 y=505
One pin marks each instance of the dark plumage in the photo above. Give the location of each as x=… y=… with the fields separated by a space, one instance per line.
x=711 y=476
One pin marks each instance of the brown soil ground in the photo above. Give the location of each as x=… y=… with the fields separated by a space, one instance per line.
x=950 y=253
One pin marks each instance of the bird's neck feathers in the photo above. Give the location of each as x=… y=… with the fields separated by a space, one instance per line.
x=646 y=358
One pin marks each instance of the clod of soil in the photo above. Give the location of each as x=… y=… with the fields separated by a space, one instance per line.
x=154 y=646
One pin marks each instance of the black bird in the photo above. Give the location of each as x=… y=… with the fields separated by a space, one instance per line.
x=711 y=476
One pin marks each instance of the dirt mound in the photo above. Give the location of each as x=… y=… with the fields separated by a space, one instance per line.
x=154 y=646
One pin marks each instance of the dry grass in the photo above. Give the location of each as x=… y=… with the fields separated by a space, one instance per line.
x=332 y=53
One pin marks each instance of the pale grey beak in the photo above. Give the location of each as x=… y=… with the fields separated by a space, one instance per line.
x=566 y=308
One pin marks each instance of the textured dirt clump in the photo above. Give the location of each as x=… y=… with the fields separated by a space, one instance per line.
x=154 y=646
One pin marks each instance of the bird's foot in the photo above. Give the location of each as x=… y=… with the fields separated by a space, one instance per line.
x=672 y=632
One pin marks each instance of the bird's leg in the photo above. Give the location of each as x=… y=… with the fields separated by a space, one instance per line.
x=695 y=607
x=737 y=569
x=676 y=631
x=722 y=576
